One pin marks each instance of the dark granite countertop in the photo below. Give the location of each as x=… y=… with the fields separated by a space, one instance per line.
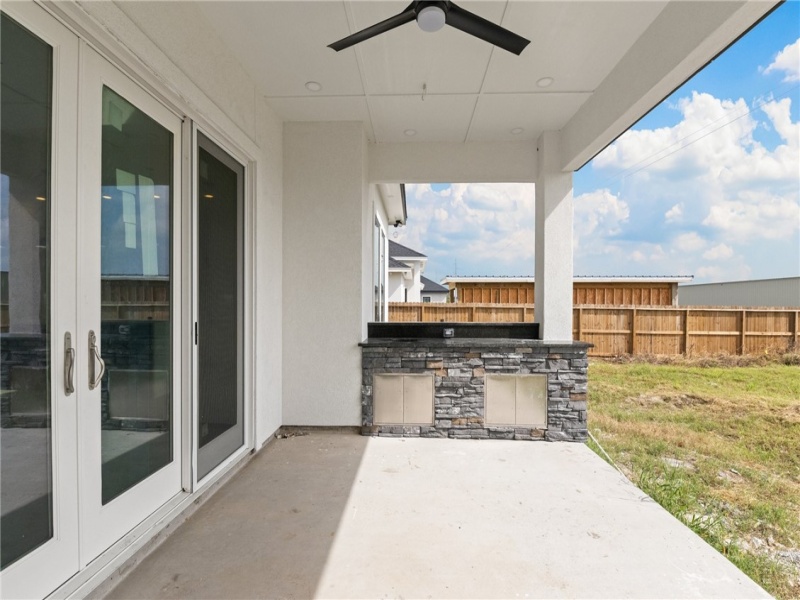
x=553 y=346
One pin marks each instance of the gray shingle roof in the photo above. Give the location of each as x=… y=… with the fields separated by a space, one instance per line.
x=396 y=250
x=396 y=264
x=431 y=286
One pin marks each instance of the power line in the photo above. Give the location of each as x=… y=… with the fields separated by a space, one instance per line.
x=625 y=174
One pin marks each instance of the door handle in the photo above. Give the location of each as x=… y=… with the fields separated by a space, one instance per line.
x=94 y=357
x=69 y=364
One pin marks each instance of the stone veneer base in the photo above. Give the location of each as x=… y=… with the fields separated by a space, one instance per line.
x=459 y=367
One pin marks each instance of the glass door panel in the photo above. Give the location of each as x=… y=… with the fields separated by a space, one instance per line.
x=136 y=200
x=26 y=499
x=129 y=309
x=220 y=202
x=38 y=481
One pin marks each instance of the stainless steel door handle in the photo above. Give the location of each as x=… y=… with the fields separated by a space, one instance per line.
x=94 y=357
x=69 y=364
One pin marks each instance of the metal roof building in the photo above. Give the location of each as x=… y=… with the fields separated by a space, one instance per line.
x=783 y=291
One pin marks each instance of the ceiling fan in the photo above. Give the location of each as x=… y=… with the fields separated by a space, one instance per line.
x=432 y=15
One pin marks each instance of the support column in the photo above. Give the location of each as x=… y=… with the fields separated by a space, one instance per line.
x=553 y=285
x=324 y=224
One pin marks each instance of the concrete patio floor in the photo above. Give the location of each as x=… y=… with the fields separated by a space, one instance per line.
x=337 y=515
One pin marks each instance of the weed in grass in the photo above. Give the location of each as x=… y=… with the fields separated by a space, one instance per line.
x=673 y=491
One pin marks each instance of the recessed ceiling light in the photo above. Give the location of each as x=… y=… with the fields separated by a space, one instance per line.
x=106 y=197
x=156 y=196
x=545 y=82
x=410 y=132
x=313 y=86
x=41 y=198
x=517 y=130
x=209 y=196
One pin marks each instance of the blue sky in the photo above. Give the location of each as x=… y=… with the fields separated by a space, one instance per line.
x=707 y=184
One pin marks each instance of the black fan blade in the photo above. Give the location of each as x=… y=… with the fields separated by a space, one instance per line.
x=351 y=40
x=486 y=30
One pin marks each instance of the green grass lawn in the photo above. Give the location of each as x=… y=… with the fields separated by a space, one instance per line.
x=719 y=447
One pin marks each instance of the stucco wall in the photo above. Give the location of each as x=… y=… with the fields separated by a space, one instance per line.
x=397 y=287
x=379 y=211
x=269 y=279
x=416 y=285
x=323 y=301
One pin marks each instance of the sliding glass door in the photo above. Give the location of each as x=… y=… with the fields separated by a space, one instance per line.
x=219 y=335
x=94 y=337
x=38 y=496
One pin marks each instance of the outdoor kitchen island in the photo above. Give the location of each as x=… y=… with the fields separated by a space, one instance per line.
x=472 y=380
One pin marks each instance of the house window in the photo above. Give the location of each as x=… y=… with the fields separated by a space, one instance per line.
x=426 y=298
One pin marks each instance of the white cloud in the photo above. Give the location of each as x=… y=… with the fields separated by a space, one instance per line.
x=721 y=207
x=718 y=252
x=599 y=213
x=485 y=227
x=675 y=213
x=440 y=214
x=723 y=273
x=755 y=215
x=712 y=134
x=689 y=242
x=736 y=200
x=788 y=62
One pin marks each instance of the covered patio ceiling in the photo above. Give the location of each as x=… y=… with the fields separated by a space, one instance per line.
x=609 y=62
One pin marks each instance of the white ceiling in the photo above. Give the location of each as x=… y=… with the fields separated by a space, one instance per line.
x=475 y=92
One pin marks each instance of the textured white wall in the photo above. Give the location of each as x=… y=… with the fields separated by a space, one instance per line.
x=397 y=287
x=553 y=260
x=323 y=300
x=269 y=279
x=368 y=194
x=380 y=212
x=415 y=289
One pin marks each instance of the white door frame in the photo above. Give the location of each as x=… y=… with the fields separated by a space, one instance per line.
x=247 y=308
x=102 y=525
x=37 y=573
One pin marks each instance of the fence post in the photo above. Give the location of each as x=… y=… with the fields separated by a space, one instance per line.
x=633 y=330
x=796 y=331
x=686 y=332
x=580 y=323
x=472 y=314
x=742 y=332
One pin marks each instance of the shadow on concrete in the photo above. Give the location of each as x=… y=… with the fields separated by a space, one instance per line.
x=333 y=515
x=266 y=534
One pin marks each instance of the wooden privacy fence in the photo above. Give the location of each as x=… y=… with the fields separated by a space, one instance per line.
x=618 y=330
x=460 y=312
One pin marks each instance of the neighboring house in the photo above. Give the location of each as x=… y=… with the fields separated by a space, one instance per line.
x=195 y=200
x=603 y=291
x=405 y=273
x=432 y=291
x=406 y=282
x=784 y=291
